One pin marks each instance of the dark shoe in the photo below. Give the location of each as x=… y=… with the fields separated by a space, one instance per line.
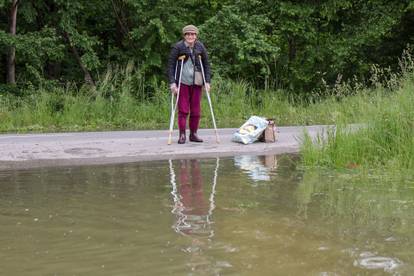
x=195 y=138
x=182 y=138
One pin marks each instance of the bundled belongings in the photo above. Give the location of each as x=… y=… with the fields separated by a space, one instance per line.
x=256 y=129
x=269 y=134
x=251 y=130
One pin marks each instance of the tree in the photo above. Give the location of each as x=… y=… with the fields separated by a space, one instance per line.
x=240 y=43
x=300 y=44
x=294 y=45
x=11 y=57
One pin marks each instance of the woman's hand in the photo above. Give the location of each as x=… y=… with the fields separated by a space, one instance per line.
x=207 y=87
x=173 y=88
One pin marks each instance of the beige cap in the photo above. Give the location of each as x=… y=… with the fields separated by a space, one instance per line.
x=190 y=29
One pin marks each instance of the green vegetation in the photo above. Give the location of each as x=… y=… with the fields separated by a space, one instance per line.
x=384 y=140
x=118 y=101
x=297 y=46
x=113 y=104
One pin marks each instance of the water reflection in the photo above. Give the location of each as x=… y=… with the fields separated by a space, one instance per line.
x=369 y=260
x=193 y=213
x=259 y=168
x=192 y=210
x=161 y=217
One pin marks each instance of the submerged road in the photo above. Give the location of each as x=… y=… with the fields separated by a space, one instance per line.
x=88 y=148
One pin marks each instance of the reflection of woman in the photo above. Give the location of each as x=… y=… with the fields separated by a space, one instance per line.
x=195 y=207
x=192 y=209
x=193 y=213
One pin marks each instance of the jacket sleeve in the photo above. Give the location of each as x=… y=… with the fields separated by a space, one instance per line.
x=172 y=60
x=206 y=63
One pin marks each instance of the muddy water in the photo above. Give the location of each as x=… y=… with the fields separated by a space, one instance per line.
x=246 y=215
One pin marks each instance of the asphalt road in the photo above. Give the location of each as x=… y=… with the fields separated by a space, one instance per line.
x=87 y=148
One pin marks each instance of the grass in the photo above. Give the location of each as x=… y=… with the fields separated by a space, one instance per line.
x=125 y=99
x=386 y=140
x=118 y=104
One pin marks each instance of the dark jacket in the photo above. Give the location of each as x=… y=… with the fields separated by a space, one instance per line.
x=180 y=49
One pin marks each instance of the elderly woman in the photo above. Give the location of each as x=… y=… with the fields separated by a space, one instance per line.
x=189 y=102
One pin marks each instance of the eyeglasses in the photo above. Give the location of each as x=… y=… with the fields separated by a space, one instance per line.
x=189 y=34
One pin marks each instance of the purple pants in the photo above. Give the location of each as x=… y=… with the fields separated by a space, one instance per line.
x=189 y=102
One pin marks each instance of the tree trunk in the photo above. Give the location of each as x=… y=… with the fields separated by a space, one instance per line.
x=121 y=22
x=87 y=74
x=53 y=69
x=292 y=48
x=11 y=58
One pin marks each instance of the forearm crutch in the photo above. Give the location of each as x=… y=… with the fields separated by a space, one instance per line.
x=174 y=107
x=209 y=100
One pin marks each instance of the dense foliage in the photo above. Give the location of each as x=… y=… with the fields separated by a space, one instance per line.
x=296 y=45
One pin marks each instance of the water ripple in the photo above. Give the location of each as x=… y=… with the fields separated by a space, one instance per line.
x=377 y=262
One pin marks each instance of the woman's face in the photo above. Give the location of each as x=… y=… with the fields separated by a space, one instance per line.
x=190 y=38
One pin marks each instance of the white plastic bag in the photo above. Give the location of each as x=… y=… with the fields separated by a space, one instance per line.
x=251 y=130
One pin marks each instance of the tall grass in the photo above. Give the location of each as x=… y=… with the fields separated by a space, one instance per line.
x=386 y=139
x=119 y=101
x=126 y=99
x=110 y=108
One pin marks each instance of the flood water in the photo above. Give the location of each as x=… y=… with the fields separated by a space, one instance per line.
x=247 y=215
